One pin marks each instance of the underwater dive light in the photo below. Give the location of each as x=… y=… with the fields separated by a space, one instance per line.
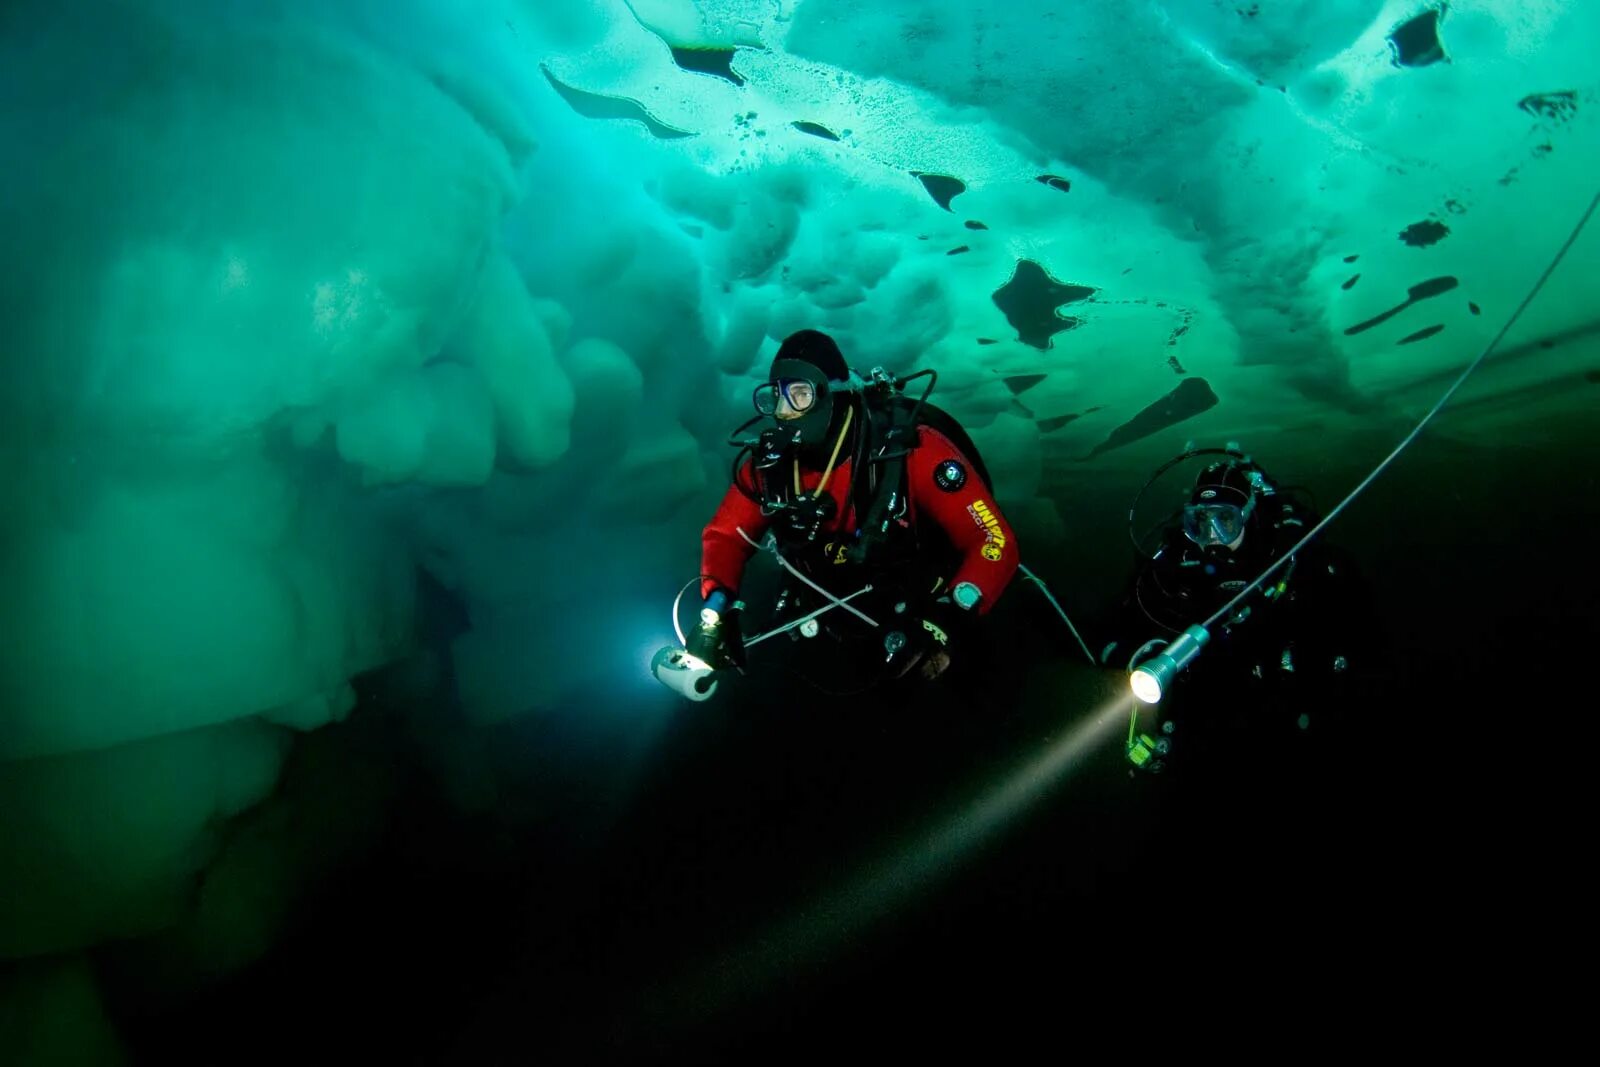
x=1151 y=678
x=690 y=669
x=684 y=673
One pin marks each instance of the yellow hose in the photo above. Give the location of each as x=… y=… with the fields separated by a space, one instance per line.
x=848 y=412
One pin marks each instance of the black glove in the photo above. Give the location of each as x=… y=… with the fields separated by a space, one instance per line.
x=720 y=645
x=943 y=626
x=733 y=636
x=946 y=624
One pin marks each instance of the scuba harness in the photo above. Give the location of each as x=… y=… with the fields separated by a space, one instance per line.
x=885 y=434
x=766 y=469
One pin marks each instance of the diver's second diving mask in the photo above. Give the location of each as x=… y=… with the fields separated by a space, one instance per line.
x=799 y=394
x=1208 y=524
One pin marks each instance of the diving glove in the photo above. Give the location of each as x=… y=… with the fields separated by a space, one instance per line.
x=716 y=639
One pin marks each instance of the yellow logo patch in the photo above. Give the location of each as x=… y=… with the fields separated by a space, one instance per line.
x=994 y=539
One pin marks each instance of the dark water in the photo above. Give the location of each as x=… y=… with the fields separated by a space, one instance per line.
x=628 y=901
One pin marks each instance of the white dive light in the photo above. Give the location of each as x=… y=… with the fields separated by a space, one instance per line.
x=1151 y=678
x=684 y=673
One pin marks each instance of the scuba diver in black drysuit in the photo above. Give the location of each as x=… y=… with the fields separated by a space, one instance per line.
x=1283 y=666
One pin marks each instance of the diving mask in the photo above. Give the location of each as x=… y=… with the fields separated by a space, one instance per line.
x=785 y=397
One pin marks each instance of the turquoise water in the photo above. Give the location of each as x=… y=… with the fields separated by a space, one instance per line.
x=367 y=369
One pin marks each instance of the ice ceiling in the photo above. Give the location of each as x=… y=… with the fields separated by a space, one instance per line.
x=300 y=299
